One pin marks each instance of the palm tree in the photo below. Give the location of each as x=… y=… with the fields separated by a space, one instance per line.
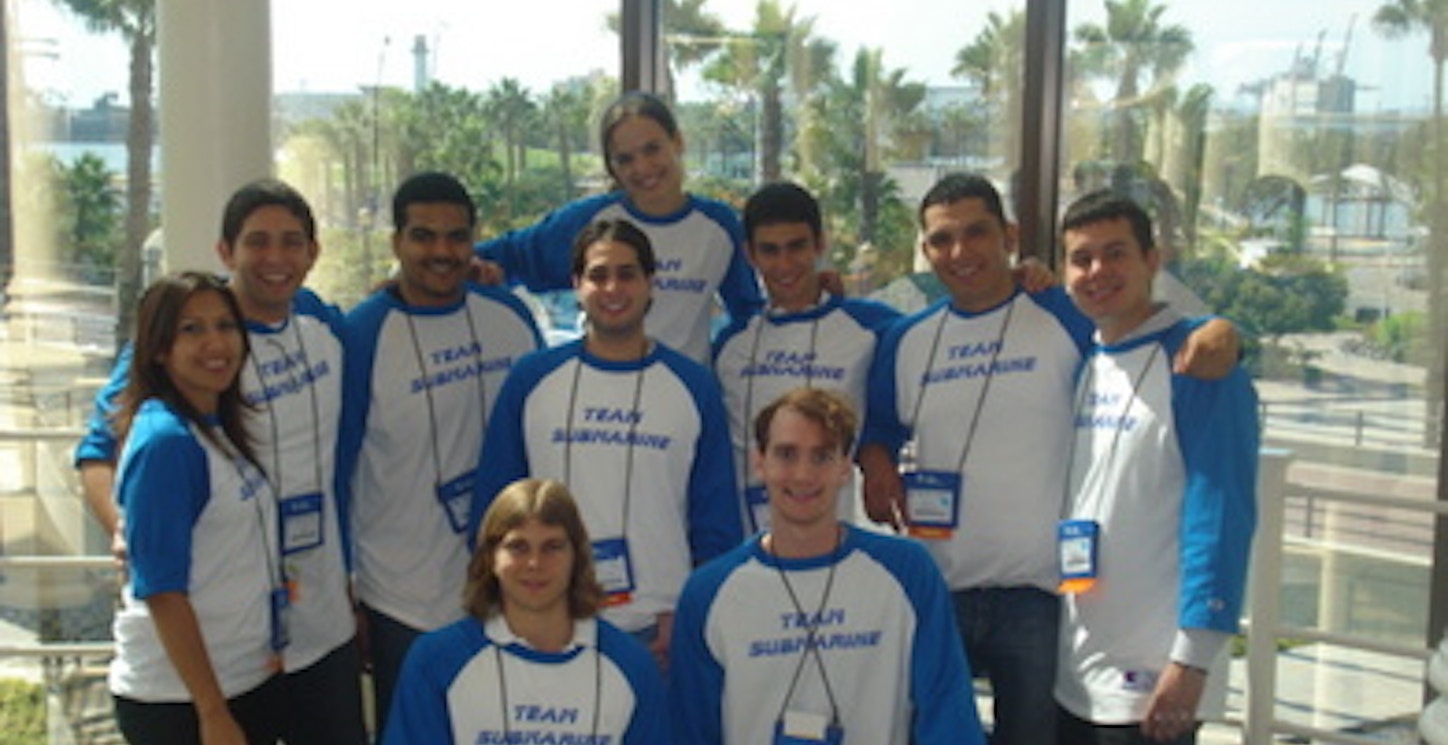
x=135 y=20
x=776 y=53
x=993 y=60
x=565 y=110
x=1132 y=46
x=1394 y=20
x=511 y=108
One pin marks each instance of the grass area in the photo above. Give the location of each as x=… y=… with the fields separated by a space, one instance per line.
x=22 y=713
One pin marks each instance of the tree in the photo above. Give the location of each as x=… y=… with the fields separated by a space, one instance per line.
x=135 y=20
x=511 y=109
x=776 y=56
x=565 y=111
x=1396 y=19
x=1134 y=47
x=993 y=61
x=88 y=214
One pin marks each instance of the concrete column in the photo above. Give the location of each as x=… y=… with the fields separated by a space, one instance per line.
x=215 y=102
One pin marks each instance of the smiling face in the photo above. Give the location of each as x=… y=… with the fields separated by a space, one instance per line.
x=1109 y=274
x=969 y=248
x=648 y=163
x=613 y=291
x=534 y=565
x=268 y=261
x=207 y=352
x=786 y=256
x=434 y=248
x=803 y=472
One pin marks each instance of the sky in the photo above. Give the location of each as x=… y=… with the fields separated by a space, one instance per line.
x=340 y=45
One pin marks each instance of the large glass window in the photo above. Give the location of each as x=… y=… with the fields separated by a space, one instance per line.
x=1290 y=167
x=866 y=109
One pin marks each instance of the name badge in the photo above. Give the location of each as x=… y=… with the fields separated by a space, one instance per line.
x=456 y=497
x=805 y=728
x=933 y=498
x=756 y=499
x=280 y=636
x=614 y=570
x=1077 y=546
x=301 y=522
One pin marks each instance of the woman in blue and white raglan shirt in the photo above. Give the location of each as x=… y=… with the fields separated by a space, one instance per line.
x=202 y=624
x=532 y=662
x=698 y=240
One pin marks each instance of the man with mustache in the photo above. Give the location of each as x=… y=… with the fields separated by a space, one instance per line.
x=424 y=361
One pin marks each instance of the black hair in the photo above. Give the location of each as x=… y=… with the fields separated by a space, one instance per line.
x=1106 y=204
x=266 y=192
x=781 y=202
x=954 y=187
x=618 y=230
x=431 y=187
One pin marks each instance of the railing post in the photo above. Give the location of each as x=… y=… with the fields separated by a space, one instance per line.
x=1265 y=596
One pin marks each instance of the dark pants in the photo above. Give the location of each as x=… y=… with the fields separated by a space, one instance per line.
x=1077 y=731
x=324 y=700
x=258 y=712
x=1010 y=638
x=388 y=640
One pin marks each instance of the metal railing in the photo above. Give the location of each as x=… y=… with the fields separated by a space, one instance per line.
x=1265 y=628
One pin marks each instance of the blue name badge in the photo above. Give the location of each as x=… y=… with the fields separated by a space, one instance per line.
x=756 y=499
x=301 y=522
x=803 y=728
x=614 y=570
x=933 y=499
x=1077 y=549
x=456 y=496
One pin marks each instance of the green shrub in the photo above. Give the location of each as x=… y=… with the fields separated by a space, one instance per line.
x=22 y=713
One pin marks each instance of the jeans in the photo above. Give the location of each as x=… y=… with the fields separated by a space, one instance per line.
x=1010 y=638
x=324 y=700
x=388 y=640
x=256 y=712
x=1077 y=731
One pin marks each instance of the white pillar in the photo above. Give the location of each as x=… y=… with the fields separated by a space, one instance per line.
x=215 y=101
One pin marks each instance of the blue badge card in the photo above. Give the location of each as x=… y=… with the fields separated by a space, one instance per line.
x=614 y=570
x=456 y=497
x=301 y=522
x=1077 y=550
x=933 y=499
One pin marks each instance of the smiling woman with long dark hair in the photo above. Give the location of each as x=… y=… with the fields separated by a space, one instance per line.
x=199 y=636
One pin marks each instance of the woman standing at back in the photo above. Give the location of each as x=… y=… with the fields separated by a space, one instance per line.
x=201 y=628
x=699 y=240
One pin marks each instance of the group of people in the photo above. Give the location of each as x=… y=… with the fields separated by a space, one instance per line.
x=633 y=537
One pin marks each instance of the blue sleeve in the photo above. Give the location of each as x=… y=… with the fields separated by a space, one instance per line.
x=99 y=441
x=873 y=315
x=1217 y=431
x=882 y=420
x=504 y=456
x=736 y=325
x=714 y=525
x=740 y=288
x=359 y=351
x=419 y=714
x=649 y=724
x=940 y=678
x=696 y=679
x=539 y=256
x=162 y=490
x=1077 y=325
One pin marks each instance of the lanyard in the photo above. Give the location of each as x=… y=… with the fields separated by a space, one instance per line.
x=293 y=381
x=427 y=383
x=503 y=693
x=1076 y=411
x=984 y=388
x=747 y=413
x=633 y=426
x=812 y=627
x=242 y=465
